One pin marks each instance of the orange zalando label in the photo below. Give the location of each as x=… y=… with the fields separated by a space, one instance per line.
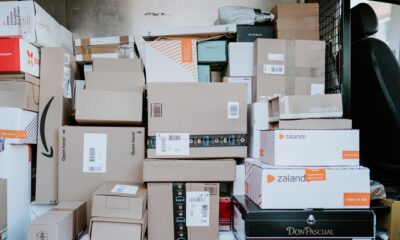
x=261 y=152
x=312 y=175
x=270 y=178
x=351 y=155
x=186 y=51
x=13 y=134
x=281 y=136
x=356 y=199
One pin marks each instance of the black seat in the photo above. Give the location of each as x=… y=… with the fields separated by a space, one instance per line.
x=375 y=88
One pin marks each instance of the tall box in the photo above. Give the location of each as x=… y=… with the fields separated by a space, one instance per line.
x=18 y=126
x=183 y=210
x=241 y=59
x=3 y=206
x=58 y=72
x=184 y=123
x=79 y=215
x=57 y=225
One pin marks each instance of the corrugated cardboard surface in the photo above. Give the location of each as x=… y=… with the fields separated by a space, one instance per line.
x=3 y=204
x=115 y=81
x=295 y=10
x=391 y=221
x=57 y=225
x=79 y=214
x=117 y=65
x=313 y=124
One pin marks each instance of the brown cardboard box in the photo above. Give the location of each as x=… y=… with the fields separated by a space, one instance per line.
x=212 y=170
x=289 y=67
x=190 y=120
x=391 y=221
x=79 y=214
x=115 y=81
x=120 y=200
x=54 y=111
x=305 y=106
x=19 y=91
x=109 y=107
x=91 y=156
x=163 y=220
x=86 y=54
x=117 y=65
x=57 y=225
x=3 y=205
x=316 y=124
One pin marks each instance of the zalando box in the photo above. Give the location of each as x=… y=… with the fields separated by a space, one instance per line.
x=18 y=126
x=310 y=147
x=303 y=188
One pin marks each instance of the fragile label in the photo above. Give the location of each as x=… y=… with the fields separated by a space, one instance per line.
x=125 y=189
x=317 y=89
x=95 y=153
x=274 y=69
x=67 y=83
x=356 y=199
x=313 y=175
x=233 y=110
x=197 y=209
x=276 y=57
x=172 y=144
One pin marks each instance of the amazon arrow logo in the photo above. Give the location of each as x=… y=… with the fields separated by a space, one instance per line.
x=48 y=153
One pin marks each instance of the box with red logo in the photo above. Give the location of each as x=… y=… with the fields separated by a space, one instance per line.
x=17 y=55
x=307 y=187
x=310 y=147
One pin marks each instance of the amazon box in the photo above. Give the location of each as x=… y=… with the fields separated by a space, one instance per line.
x=183 y=210
x=59 y=70
x=55 y=225
x=79 y=215
x=3 y=205
x=192 y=135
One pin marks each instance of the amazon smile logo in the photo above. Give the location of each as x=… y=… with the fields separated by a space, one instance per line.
x=42 y=127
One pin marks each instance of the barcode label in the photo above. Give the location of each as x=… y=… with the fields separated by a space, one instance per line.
x=197 y=209
x=125 y=189
x=213 y=190
x=92 y=154
x=157 y=110
x=95 y=153
x=66 y=59
x=233 y=110
x=274 y=69
x=67 y=83
x=172 y=144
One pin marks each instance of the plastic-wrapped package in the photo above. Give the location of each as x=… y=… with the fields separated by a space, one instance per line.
x=242 y=15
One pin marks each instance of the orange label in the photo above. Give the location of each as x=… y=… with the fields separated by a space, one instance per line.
x=13 y=134
x=356 y=199
x=351 y=155
x=270 y=178
x=281 y=136
x=312 y=175
x=187 y=51
x=261 y=152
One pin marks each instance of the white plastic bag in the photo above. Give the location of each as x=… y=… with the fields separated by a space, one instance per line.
x=242 y=15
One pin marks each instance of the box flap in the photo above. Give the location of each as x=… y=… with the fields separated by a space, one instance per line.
x=121 y=189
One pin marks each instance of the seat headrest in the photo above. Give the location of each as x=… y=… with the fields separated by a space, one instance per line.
x=364 y=22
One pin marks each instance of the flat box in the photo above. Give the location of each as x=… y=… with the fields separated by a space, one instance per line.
x=390 y=221
x=91 y=156
x=245 y=80
x=18 y=126
x=212 y=51
x=164 y=170
x=120 y=200
x=250 y=223
x=171 y=61
x=314 y=124
x=180 y=115
x=3 y=204
x=104 y=40
x=115 y=81
x=184 y=32
x=17 y=55
x=288 y=67
x=195 y=220
x=20 y=91
x=109 y=107
x=250 y=33
x=57 y=225
x=305 y=106
x=86 y=54
x=204 y=72
x=58 y=72
x=295 y=187
x=296 y=10
x=241 y=59
x=79 y=215
x=28 y=20
x=117 y=65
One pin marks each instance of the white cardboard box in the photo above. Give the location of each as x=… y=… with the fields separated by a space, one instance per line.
x=241 y=59
x=303 y=188
x=310 y=147
x=18 y=126
x=239 y=183
x=245 y=80
x=258 y=119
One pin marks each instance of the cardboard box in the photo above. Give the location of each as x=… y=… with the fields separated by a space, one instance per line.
x=241 y=59
x=17 y=55
x=216 y=76
x=109 y=107
x=117 y=65
x=193 y=136
x=310 y=147
x=79 y=86
x=257 y=120
x=3 y=205
x=212 y=52
x=305 y=106
x=18 y=126
x=58 y=71
x=250 y=33
x=204 y=72
x=314 y=124
x=86 y=54
x=87 y=68
x=390 y=221
x=79 y=216
x=120 y=200
x=55 y=225
x=164 y=170
x=115 y=81
x=294 y=188
x=288 y=67
x=225 y=205
x=37 y=210
x=104 y=41
x=184 y=32
x=239 y=183
x=245 y=80
x=171 y=61
x=91 y=156
x=34 y=24
x=251 y=222
x=19 y=91
x=172 y=206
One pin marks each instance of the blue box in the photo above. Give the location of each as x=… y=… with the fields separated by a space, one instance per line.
x=204 y=73
x=212 y=52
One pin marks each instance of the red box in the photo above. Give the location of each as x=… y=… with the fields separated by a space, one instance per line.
x=225 y=210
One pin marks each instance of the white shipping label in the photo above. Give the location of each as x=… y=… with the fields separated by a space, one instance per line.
x=172 y=144
x=274 y=69
x=197 y=209
x=276 y=57
x=233 y=110
x=125 y=189
x=95 y=153
x=317 y=89
x=67 y=83
x=66 y=59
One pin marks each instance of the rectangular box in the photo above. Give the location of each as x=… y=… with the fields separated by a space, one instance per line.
x=390 y=221
x=109 y=107
x=250 y=223
x=37 y=210
x=79 y=215
x=120 y=200
x=17 y=55
x=204 y=72
x=184 y=32
x=90 y=156
x=305 y=106
x=314 y=124
x=225 y=205
x=175 y=206
x=104 y=40
x=86 y=54
x=239 y=183
x=57 y=225
x=310 y=147
x=193 y=136
x=241 y=59
x=18 y=126
x=164 y=170
x=3 y=205
x=288 y=67
x=115 y=81
x=245 y=80
x=117 y=65
x=171 y=61
x=294 y=188
x=250 y=33
x=212 y=52
x=19 y=91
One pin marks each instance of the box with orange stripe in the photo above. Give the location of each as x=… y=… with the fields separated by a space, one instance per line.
x=18 y=126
